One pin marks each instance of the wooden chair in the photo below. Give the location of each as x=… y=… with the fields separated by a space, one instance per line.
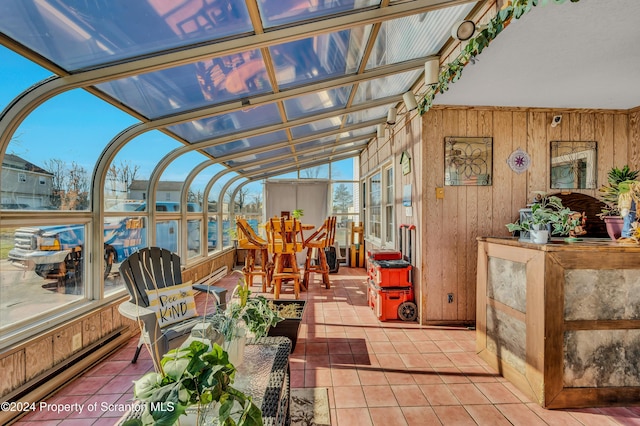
x=284 y=239
x=249 y=240
x=149 y=269
x=321 y=239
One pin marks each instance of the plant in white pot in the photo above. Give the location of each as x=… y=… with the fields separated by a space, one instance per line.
x=548 y=217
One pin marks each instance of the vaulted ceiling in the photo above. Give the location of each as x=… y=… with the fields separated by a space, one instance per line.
x=264 y=85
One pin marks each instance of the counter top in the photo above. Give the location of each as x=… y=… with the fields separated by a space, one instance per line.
x=558 y=244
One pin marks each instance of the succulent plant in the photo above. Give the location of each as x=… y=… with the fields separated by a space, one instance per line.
x=609 y=193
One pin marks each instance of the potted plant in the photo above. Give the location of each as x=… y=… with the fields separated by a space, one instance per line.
x=609 y=195
x=548 y=217
x=195 y=382
x=297 y=213
x=291 y=311
x=244 y=315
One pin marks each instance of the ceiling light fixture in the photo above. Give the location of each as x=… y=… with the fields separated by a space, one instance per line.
x=431 y=71
x=410 y=101
x=463 y=30
x=380 y=131
x=391 y=115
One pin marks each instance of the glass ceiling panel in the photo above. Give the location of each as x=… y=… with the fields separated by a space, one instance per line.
x=246 y=159
x=315 y=143
x=316 y=126
x=186 y=87
x=284 y=163
x=369 y=114
x=385 y=86
x=315 y=103
x=324 y=155
x=279 y=12
x=319 y=57
x=247 y=143
x=233 y=122
x=429 y=31
x=80 y=34
x=308 y=145
x=359 y=132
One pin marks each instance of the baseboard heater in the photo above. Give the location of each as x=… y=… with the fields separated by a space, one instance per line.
x=49 y=382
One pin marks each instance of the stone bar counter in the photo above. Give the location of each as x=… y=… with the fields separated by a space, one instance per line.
x=561 y=321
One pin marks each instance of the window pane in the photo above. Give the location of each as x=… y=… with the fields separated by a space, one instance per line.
x=288 y=11
x=78 y=34
x=389 y=200
x=343 y=200
x=194 y=227
x=123 y=235
x=167 y=235
x=374 y=208
x=212 y=232
x=343 y=232
x=191 y=86
x=318 y=172
x=42 y=270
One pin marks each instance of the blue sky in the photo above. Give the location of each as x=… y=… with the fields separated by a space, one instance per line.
x=76 y=126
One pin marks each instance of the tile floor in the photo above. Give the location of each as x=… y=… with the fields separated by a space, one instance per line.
x=377 y=373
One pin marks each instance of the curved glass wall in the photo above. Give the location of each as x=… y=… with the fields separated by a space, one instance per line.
x=128 y=174
x=248 y=89
x=51 y=158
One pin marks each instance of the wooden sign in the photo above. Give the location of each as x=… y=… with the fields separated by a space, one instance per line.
x=405 y=162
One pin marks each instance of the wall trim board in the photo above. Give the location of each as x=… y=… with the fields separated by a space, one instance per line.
x=62 y=374
x=51 y=332
x=530 y=109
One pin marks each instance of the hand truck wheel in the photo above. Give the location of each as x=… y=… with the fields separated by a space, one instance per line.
x=407 y=311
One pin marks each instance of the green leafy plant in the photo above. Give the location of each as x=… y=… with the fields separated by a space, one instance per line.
x=194 y=376
x=548 y=211
x=451 y=72
x=251 y=313
x=297 y=213
x=610 y=193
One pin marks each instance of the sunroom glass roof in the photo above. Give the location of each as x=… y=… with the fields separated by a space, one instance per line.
x=239 y=77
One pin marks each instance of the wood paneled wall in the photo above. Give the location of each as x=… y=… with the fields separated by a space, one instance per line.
x=448 y=228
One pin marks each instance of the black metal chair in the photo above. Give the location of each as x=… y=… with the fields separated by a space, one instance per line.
x=149 y=269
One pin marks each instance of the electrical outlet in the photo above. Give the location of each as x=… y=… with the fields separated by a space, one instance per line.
x=450 y=298
x=439 y=193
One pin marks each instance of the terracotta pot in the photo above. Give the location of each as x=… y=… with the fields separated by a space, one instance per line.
x=614 y=226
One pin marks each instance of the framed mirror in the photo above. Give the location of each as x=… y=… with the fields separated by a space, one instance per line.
x=573 y=165
x=468 y=161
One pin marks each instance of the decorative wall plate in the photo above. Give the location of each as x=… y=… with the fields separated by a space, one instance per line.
x=519 y=161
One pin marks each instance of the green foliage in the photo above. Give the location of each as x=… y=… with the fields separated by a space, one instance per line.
x=257 y=315
x=451 y=72
x=252 y=313
x=297 y=213
x=548 y=211
x=194 y=376
x=610 y=192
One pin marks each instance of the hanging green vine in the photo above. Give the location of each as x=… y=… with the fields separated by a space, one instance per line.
x=451 y=72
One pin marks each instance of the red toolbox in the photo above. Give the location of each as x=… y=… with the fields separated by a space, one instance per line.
x=390 y=273
x=384 y=254
x=392 y=303
x=380 y=254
